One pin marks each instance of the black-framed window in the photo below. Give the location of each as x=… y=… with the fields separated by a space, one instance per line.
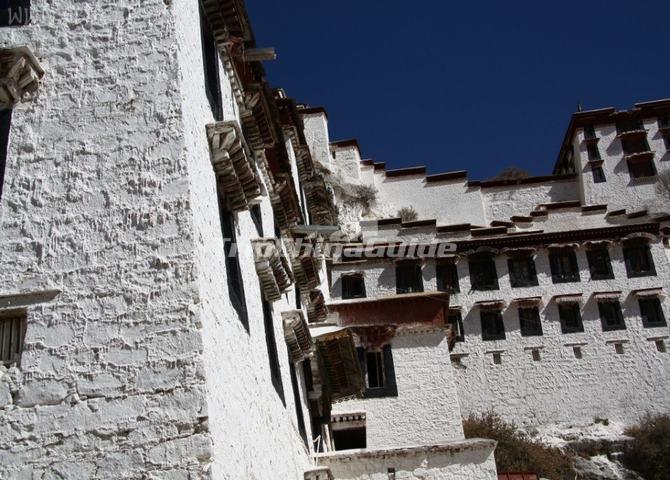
x=529 y=321
x=233 y=271
x=5 y=125
x=641 y=167
x=447 y=277
x=634 y=145
x=600 y=264
x=455 y=321
x=638 y=259
x=598 y=174
x=563 y=264
x=611 y=317
x=353 y=286
x=257 y=218
x=378 y=371
x=571 y=318
x=408 y=277
x=592 y=151
x=14 y=13
x=483 y=273
x=493 y=327
x=12 y=335
x=522 y=271
x=652 y=312
x=273 y=357
x=589 y=132
x=300 y=416
x=210 y=59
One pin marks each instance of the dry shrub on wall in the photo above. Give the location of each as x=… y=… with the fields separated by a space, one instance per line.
x=649 y=451
x=366 y=195
x=512 y=173
x=407 y=214
x=517 y=453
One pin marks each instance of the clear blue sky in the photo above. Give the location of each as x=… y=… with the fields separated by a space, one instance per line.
x=464 y=85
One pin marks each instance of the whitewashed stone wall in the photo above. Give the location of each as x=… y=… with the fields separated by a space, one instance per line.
x=558 y=388
x=620 y=190
x=464 y=460
x=426 y=409
x=316 y=135
x=501 y=203
x=139 y=368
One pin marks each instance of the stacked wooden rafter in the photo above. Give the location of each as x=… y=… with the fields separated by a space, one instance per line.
x=232 y=165
x=257 y=120
x=283 y=202
x=305 y=271
x=20 y=75
x=296 y=333
x=272 y=268
x=227 y=19
x=319 y=202
x=304 y=161
x=316 y=307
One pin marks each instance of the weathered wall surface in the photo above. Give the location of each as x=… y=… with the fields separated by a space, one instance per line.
x=426 y=409
x=109 y=196
x=464 y=460
x=96 y=204
x=254 y=429
x=501 y=203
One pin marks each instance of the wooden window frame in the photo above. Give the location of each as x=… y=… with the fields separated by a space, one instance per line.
x=446 y=274
x=351 y=280
x=653 y=304
x=210 y=59
x=481 y=266
x=12 y=336
x=644 y=249
x=591 y=257
x=558 y=275
x=514 y=279
x=525 y=322
x=571 y=308
x=390 y=387
x=414 y=276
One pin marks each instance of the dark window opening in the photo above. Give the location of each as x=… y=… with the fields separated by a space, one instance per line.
x=563 y=264
x=298 y=300
x=14 y=13
x=233 y=272
x=593 y=152
x=353 y=286
x=257 y=218
x=300 y=417
x=349 y=438
x=634 y=145
x=577 y=352
x=618 y=348
x=598 y=174
x=378 y=371
x=600 y=265
x=611 y=317
x=447 y=277
x=589 y=132
x=652 y=312
x=629 y=125
x=497 y=358
x=664 y=121
x=273 y=358
x=455 y=321
x=535 y=353
x=483 y=274
x=493 y=327
x=666 y=140
x=210 y=59
x=639 y=262
x=5 y=123
x=522 y=272
x=307 y=375
x=641 y=167
x=571 y=318
x=529 y=321
x=12 y=335
x=375 y=367
x=408 y=278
